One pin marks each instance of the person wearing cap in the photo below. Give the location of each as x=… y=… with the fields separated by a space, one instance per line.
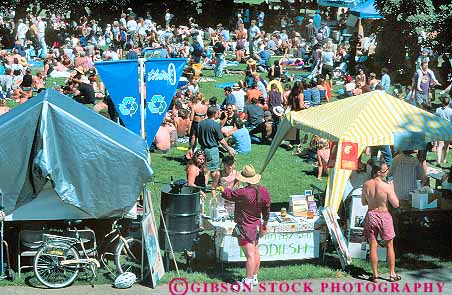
x=252 y=203
x=310 y=31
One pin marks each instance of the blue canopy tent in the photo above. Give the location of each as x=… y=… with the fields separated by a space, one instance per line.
x=339 y=3
x=366 y=10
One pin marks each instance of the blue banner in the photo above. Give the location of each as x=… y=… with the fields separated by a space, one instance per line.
x=121 y=81
x=162 y=77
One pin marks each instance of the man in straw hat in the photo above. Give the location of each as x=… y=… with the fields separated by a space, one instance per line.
x=252 y=203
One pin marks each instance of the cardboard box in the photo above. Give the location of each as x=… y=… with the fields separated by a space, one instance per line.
x=421 y=201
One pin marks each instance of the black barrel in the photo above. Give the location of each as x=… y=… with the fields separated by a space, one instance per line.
x=181 y=210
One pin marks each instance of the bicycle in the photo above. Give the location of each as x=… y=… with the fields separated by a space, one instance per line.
x=58 y=262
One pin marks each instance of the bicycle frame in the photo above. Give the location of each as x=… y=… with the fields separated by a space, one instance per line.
x=85 y=261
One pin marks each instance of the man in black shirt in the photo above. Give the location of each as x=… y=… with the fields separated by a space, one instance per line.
x=256 y=120
x=85 y=93
x=210 y=137
x=220 y=62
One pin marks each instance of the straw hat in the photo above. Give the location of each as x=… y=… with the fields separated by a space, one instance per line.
x=249 y=175
x=80 y=70
x=278 y=111
x=251 y=62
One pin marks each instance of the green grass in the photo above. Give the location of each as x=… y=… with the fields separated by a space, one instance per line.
x=285 y=175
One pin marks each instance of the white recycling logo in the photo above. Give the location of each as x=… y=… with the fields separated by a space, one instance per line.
x=157 y=105
x=128 y=106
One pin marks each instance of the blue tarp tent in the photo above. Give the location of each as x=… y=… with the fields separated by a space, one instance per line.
x=366 y=10
x=61 y=160
x=339 y=3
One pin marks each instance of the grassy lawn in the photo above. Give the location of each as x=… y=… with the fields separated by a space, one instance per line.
x=285 y=175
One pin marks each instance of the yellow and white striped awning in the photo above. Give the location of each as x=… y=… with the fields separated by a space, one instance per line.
x=369 y=119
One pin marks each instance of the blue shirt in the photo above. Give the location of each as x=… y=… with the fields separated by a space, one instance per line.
x=315 y=96
x=242 y=141
x=385 y=82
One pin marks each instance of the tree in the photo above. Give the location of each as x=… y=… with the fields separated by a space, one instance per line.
x=403 y=24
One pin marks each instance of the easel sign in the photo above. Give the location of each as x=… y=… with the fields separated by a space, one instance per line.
x=152 y=249
x=337 y=237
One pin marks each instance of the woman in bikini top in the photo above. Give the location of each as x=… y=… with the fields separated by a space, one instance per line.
x=199 y=108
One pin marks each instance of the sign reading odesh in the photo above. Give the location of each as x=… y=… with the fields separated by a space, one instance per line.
x=275 y=246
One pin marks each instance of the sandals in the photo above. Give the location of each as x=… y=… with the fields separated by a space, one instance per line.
x=395 y=278
x=373 y=279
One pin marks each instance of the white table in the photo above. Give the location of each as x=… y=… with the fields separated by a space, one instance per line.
x=285 y=241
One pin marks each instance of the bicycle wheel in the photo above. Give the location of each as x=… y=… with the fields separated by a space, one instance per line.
x=48 y=266
x=128 y=256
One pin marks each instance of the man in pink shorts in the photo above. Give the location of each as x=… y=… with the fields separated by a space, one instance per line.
x=376 y=194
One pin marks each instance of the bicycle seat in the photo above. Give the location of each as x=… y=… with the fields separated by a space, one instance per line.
x=73 y=222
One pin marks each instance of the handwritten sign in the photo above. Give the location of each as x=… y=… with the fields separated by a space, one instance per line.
x=273 y=247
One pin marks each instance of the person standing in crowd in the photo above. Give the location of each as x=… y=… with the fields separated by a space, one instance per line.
x=228 y=179
x=220 y=61
x=385 y=79
x=445 y=112
x=254 y=34
x=378 y=221
x=310 y=32
x=406 y=170
x=251 y=204
x=422 y=81
x=41 y=36
x=209 y=138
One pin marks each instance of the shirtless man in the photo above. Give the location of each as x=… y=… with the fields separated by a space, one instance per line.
x=378 y=221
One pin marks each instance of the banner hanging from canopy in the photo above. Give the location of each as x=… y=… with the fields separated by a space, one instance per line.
x=161 y=77
x=121 y=80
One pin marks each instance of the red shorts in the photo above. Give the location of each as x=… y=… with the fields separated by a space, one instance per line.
x=243 y=242
x=377 y=222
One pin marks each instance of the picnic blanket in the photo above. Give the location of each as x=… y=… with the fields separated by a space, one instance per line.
x=227 y=84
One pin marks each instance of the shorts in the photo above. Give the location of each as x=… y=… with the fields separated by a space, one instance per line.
x=327 y=70
x=194 y=129
x=243 y=242
x=377 y=222
x=421 y=99
x=212 y=158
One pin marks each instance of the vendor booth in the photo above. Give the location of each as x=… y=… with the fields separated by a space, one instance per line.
x=68 y=161
x=61 y=161
x=371 y=119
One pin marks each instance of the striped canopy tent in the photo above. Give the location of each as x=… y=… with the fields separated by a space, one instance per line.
x=370 y=119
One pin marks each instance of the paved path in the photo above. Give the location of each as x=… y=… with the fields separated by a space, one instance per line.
x=413 y=282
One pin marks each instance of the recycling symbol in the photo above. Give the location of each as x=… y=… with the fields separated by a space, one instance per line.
x=157 y=105
x=128 y=106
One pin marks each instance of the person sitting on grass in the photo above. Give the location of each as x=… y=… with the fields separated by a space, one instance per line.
x=240 y=139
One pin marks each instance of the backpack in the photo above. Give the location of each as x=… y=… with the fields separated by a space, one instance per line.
x=197 y=50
